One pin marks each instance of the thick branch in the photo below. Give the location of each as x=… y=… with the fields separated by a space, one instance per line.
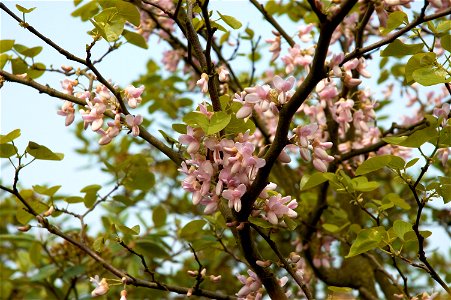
x=317 y=73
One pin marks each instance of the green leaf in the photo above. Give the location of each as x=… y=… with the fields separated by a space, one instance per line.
x=86 y=11
x=366 y=240
x=180 y=128
x=36 y=70
x=418 y=61
x=126 y=230
x=125 y=9
x=396 y=162
x=394 y=20
x=42 y=152
x=239 y=125
x=367 y=186
x=401 y=228
x=18 y=66
x=445 y=192
x=399 y=49
x=46 y=272
x=196 y=119
x=444 y=26
x=231 y=21
x=135 y=39
x=396 y=200
x=139 y=176
x=150 y=248
x=224 y=38
x=9 y=137
x=93 y=188
x=445 y=41
x=373 y=164
x=99 y=244
x=291 y=224
x=337 y=289
x=6 y=45
x=31 y=52
x=74 y=199
x=43 y=190
x=110 y=24
x=217 y=25
x=260 y=222
x=394 y=140
x=331 y=227
x=315 y=180
x=25 y=10
x=159 y=215
x=419 y=137
x=191 y=228
x=7 y=150
x=3 y=60
x=91 y=194
x=218 y=122
x=73 y=272
x=412 y=162
x=428 y=76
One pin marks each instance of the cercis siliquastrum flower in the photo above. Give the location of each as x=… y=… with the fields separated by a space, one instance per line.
x=98 y=102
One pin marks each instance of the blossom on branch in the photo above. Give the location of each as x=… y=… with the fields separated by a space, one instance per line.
x=133 y=95
x=101 y=286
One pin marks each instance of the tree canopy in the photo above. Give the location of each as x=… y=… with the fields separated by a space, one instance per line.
x=244 y=163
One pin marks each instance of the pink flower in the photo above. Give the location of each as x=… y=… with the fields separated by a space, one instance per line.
x=123 y=295
x=134 y=123
x=275 y=208
x=68 y=85
x=234 y=196
x=101 y=286
x=191 y=138
x=94 y=115
x=443 y=155
x=68 y=111
x=252 y=285
x=223 y=74
x=171 y=59
x=304 y=32
x=133 y=95
x=275 y=47
x=203 y=83
x=283 y=86
x=442 y=112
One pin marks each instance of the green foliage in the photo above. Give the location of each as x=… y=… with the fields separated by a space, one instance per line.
x=399 y=49
x=42 y=152
x=367 y=239
x=24 y=10
x=109 y=24
x=135 y=39
x=231 y=21
x=395 y=19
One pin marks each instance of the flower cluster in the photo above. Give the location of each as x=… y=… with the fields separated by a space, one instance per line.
x=253 y=287
x=97 y=104
x=229 y=173
x=264 y=97
x=308 y=141
x=226 y=168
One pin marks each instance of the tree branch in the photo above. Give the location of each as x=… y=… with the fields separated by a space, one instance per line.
x=143 y=133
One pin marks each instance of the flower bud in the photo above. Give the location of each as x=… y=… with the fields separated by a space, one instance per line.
x=49 y=212
x=24 y=228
